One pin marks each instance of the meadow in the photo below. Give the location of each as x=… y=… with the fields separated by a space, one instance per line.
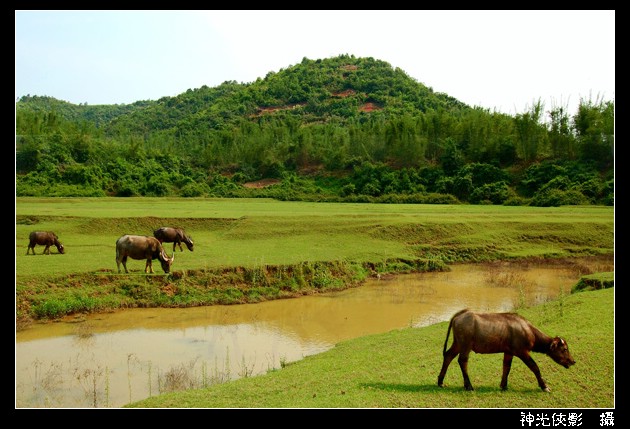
x=254 y=232
x=250 y=250
x=399 y=369
x=259 y=238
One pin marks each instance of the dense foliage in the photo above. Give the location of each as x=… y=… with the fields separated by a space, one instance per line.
x=338 y=129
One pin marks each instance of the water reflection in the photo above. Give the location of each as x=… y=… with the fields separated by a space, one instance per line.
x=108 y=360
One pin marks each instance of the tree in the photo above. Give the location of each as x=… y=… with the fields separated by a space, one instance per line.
x=561 y=139
x=594 y=126
x=530 y=132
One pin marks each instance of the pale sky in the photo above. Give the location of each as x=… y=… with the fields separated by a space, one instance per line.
x=499 y=60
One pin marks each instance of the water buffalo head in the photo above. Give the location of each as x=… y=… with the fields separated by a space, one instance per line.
x=166 y=261
x=559 y=352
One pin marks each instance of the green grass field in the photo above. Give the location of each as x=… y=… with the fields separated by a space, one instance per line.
x=252 y=232
x=399 y=369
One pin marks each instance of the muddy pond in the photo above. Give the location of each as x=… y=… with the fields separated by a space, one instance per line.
x=108 y=360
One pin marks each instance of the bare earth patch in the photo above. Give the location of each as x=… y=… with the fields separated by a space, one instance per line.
x=263 y=183
x=369 y=107
x=344 y=94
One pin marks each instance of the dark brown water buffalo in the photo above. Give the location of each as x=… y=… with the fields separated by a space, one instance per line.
x=142 y=247
x=44 y=238
x=506 y=333
x=177 y=236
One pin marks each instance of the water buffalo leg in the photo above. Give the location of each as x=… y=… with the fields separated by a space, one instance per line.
x=531 y=364
x=148 y=268
x=507 y=365
x=449 y=355
x=463 y=364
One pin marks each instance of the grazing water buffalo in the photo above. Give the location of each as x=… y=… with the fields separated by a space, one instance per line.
x=506 y=333
x=44 y=238
x=177 y=236
x=142 y=247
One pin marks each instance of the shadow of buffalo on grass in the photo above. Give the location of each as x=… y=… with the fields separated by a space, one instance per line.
x=432 y=388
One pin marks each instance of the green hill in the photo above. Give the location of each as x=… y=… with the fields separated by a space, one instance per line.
x=313 y=90
x=335 y=129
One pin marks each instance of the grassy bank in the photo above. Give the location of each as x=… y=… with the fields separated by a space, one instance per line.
x=399 y=369
x=257 y=249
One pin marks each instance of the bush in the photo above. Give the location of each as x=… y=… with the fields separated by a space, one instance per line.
x=557 y=197
x=515 y=200
x=496 y=193
x=194 y=190
x=348 y=189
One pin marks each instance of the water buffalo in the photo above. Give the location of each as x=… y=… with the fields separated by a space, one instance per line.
x=506 y=333
x=44 y=238
x=142 y=247
x=177 y=236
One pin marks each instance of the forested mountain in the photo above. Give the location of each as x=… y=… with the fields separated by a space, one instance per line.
x=337 y=129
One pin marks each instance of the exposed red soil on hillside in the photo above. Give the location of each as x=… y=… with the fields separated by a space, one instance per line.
x=263 y=183
x=263 y=110
x=369 y=107
x=346 y=93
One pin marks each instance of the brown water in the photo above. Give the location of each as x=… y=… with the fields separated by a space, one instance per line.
x=108 y=360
